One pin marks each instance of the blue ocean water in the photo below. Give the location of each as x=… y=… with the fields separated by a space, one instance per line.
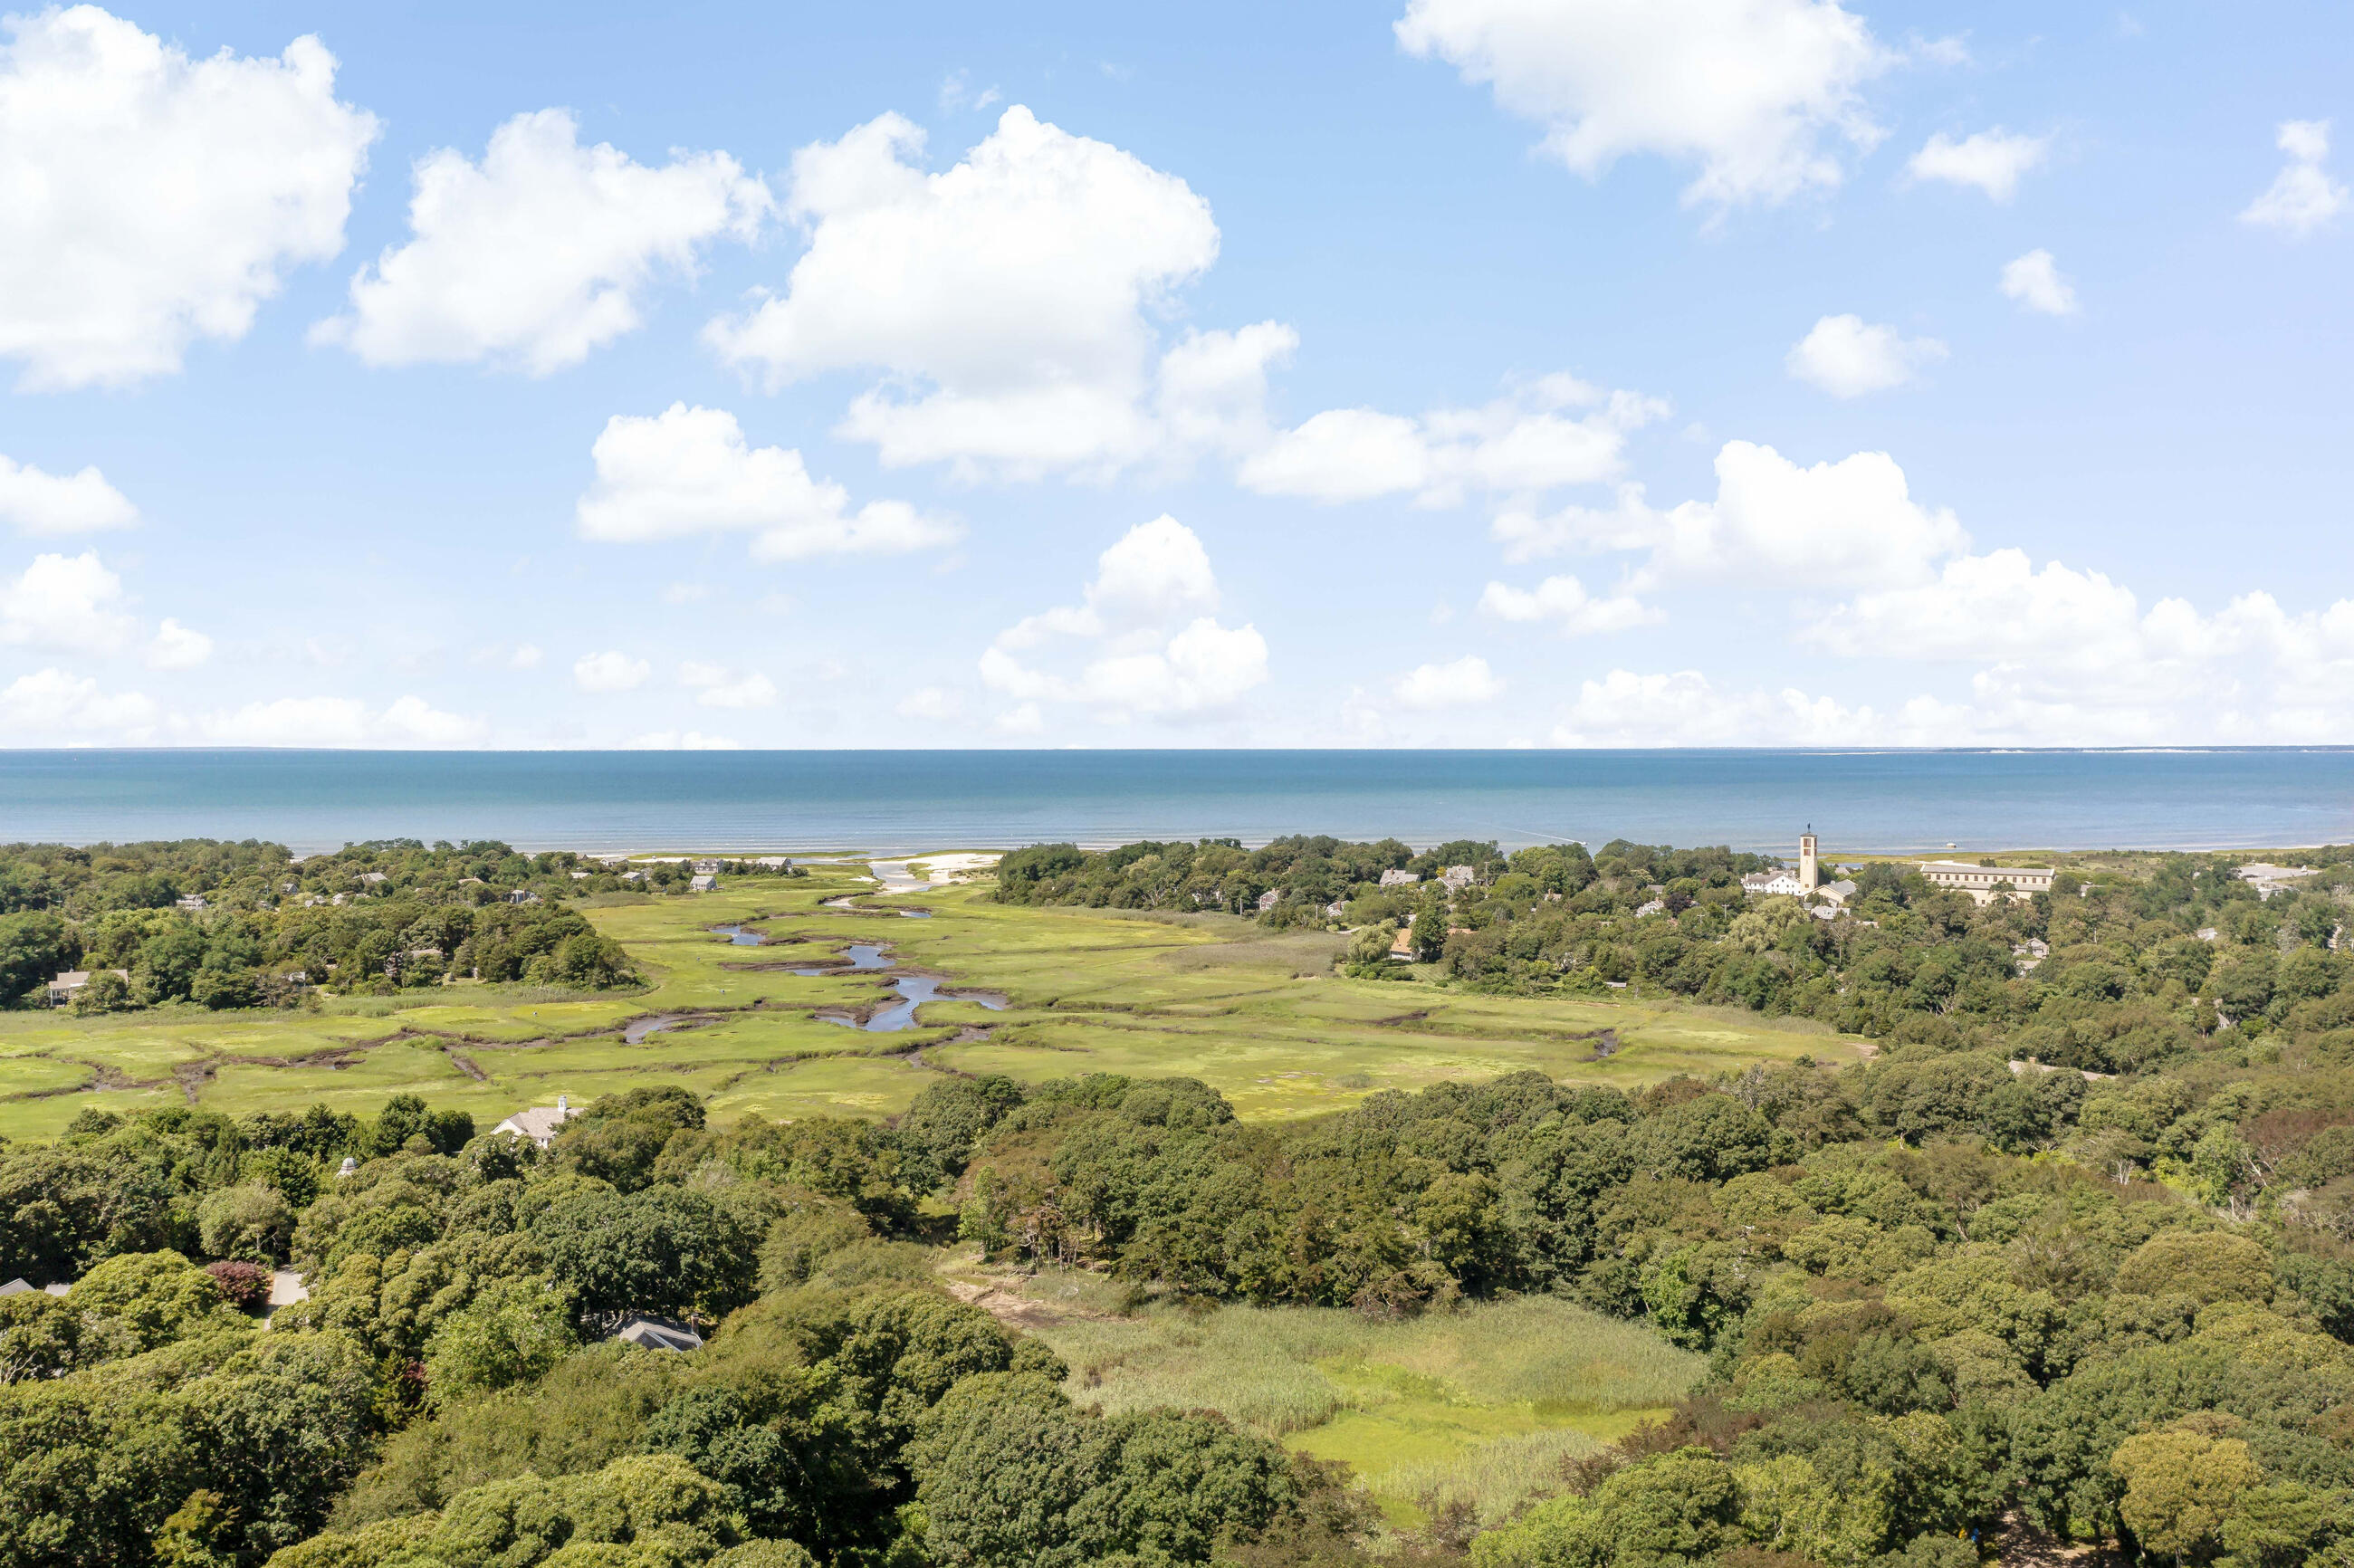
x=886 y=800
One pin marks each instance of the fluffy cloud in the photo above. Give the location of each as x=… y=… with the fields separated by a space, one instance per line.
x=1992 y=161
x=1004 y=300
x=1752 y=91
x=2061 y=656
x=1848 y=357
x=52 y=702
x=717 y=686
x=65 y=603
x=2034 y=281
x=1522 y=444
x=542 y=253
x=154 y=199
x=1847 y=524
x=1461 y=684
x=409 y=721
x=931 y=704
x=1155 y=574
x=38 y=502
x=686 y=472
x=1685 y=708
x=682 y=740
x=2302 y=197
x=610 y=672
x=1564 y=601
x=176 y=647
x=1212 y=387
x=72 y=604
x=2060 y=647
x=1143 y=641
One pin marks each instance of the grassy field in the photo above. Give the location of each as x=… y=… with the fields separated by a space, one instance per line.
x=1477 y=1407
x=1261 y=1017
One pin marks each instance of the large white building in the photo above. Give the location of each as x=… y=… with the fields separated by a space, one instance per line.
x=1980 y=881
x=1807 y=879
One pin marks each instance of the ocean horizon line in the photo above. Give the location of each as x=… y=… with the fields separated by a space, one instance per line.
x=1945 y=800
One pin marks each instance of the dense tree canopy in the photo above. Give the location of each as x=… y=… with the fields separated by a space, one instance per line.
x=2072 y=1249
x=228 y=926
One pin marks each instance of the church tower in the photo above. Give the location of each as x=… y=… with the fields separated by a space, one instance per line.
x=1810 y=876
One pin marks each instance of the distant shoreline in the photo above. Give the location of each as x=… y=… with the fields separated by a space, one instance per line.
x=1899 y=803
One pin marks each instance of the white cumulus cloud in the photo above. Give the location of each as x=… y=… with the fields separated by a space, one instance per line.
x=1685 y=708
x=610 y=672
x=1144 y=639
x=1565 y=602
x=407 y=721
x=1002 y=303
x=682 y=740
x=38 y=502
x=1847 y=356
x=1522 y=444
x=66 y=603
x=690 y=471
x=1461 y=684
x=2035 y=280
x=1991 y=161
x=931 y=704
x=154 y=199
x=717 y=686
x=177 y=647
x=2302 y=197
x=542 y=253
x=1755 y=92
x=1853 y=523
x=55 y=704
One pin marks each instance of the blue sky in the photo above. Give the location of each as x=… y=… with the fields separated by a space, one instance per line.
x=1457 y=372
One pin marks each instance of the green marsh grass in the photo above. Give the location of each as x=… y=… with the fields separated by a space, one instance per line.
x=1480 y=1406
x=1258 y=1016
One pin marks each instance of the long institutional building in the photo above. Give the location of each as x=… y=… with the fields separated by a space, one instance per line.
x=1983 y=881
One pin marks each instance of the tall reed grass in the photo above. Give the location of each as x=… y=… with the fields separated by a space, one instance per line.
x=1285 y=1369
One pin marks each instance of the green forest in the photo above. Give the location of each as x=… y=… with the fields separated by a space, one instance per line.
x=247 y=925
x=2070 y=1258
x=2111 y=971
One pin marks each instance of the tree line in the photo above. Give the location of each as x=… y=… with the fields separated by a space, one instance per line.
x=2105 y=972
x=247 y=925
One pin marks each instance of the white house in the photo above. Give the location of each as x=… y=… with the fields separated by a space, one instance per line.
x=1458 y=877
x=67 y=986
x=539 y=1123
x=1270 y=899
x=1395 y=878
x=1782 y=884
x=707 y=883
x=2268 y=879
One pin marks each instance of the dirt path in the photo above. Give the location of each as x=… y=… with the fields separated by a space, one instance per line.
x=1008 y=1307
